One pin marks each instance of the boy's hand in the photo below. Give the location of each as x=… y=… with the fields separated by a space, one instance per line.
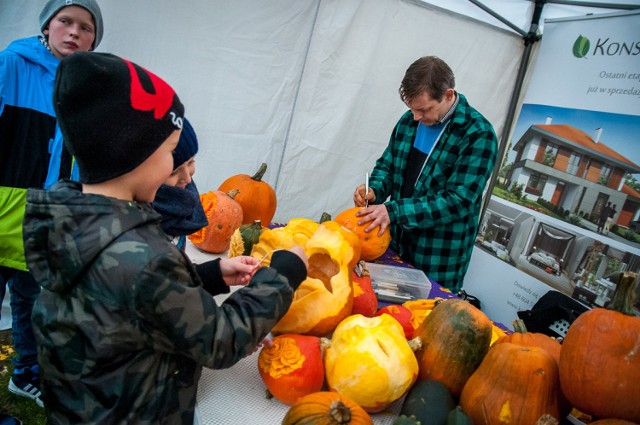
x=237 y=270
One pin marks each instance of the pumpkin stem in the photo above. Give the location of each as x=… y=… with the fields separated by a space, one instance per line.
x=415 y=343
x=625 y=294
x=325 y=217
x=233 y=193
x=547 y=420
x=324 y=344
x=258 y=175
x=519 y=326
x=340 y=412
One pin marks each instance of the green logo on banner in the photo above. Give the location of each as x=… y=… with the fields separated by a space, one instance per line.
x=581 y=47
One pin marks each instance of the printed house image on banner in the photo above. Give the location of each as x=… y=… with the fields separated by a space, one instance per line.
x=563 y=256
x=577 y=172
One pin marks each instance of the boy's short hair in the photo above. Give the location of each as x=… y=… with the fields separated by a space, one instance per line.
x=113 y=114
x=52 y=7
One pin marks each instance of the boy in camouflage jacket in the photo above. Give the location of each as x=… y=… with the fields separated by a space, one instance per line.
x=123 y=324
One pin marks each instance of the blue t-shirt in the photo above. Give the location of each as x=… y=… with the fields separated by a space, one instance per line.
x=426 y=136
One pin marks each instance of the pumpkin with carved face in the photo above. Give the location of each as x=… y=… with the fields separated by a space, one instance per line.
x=326 y=297
x=370 y=361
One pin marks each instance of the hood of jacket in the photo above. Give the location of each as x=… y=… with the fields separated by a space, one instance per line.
x=65 y=230
x=32 y=50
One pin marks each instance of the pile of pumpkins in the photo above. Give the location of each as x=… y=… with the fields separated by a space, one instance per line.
x=335 y=345
x=336 y=358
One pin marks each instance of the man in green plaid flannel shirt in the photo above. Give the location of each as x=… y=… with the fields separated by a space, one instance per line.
x=427 y=186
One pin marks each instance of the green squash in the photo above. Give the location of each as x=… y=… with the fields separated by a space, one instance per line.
x=429 y=402
x=458 y=417
x=406 y=420
x=244 y=238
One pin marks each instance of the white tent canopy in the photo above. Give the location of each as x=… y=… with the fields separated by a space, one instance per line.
x=307 y=86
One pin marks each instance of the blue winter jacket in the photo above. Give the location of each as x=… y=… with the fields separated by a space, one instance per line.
x=31 y=150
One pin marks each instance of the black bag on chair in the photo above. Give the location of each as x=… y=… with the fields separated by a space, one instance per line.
x=552 y=314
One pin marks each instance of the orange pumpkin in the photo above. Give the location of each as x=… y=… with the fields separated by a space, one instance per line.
x=532 y=339
x=292 y=367
x=612 y=422
x=224 y=215
x=372 y=245
x=513 y=385
x=365 y=301
x=402 y=314
x=600 y=358
x=257 y=198
x=455 y=338
x=326 y=408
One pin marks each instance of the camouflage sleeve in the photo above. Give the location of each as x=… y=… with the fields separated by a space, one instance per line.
x=187 y=320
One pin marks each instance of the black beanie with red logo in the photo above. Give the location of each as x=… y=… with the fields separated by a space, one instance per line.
x=113 y=114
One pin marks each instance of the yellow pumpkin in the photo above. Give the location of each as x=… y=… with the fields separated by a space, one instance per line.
x=297 y=232
x=326 y=297
x=370 y=361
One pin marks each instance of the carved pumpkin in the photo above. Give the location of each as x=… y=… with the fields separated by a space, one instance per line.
x=370 y=361
x=365 y=301
x=297 y=232
x=224 y=215
x=402 y=314
x=326 y=408
x=513 y=385
x=326 y=297
x=292 y=367
x=600 y=358
x=372 y=245
x=244 y=238
x=455 y=338
x=257 y=198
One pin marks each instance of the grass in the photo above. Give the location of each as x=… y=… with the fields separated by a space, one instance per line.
x=22 y=408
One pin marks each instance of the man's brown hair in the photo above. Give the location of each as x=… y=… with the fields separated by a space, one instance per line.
x=428 y=74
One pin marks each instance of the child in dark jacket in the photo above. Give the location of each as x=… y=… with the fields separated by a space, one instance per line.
x=123 y=323
x=178 y=202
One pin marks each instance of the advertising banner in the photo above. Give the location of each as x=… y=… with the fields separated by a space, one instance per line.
x=564 y=213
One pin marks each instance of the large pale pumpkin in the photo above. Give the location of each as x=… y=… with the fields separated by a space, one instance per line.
x=297 y=232
x=257 y=198
x=326 y=408
x=372 y=246
x=513 y=385
x=292 y=367
x=600 y=358
x=326 y=297
x=224 y=215
x=370 y=361
x=455 y=338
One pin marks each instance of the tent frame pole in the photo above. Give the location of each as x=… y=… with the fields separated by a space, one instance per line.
x=529 y=39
